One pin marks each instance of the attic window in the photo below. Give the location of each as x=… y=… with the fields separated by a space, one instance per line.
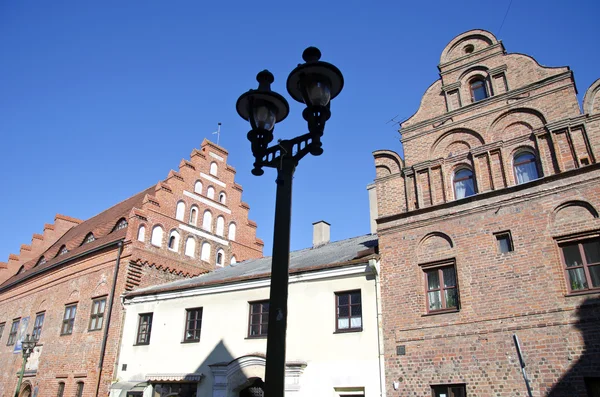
x=122 y=224
x=89 y=238
x=21 y=269
x=41 y=261
x=469 y=48
x=63 y=250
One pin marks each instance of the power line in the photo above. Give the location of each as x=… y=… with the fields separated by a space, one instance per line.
x=504 y=19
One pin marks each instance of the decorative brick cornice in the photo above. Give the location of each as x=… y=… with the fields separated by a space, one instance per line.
x=451 y=87
x=566 y=123
x=498 y=70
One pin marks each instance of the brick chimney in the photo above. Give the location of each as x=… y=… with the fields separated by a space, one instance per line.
x=320 y=233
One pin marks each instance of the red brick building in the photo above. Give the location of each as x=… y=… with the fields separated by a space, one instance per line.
x=488 y=227
x=65 y=287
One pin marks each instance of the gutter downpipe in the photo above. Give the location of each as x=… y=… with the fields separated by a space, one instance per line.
x=374 y=265
x=108 y=316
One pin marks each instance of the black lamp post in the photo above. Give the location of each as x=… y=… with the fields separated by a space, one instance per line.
x=314 y=83
x=26 y=348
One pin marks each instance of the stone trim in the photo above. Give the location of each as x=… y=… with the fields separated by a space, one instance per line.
x=451 y=87
x=498 y=70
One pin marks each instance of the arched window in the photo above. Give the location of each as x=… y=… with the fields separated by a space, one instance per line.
x=207 y=221
x=463 y=183
x=233 y=260
x=210 y=192
x=89 y=238
x=41 y=261
x=478 y=89
x=205 y=252
x=198 y=187
x=122 y=224
x=213 y=168
x=142 y=233
x=220 y=257
x=220 y=226
x=231 y=234
x=190 y=246
x=61 y=389
x=194 y=216
x=157 y=236
x=180 y=212
x=174 y=240
x=222 y=198
x=63 y=250
x=525 y=167
x=79 y=392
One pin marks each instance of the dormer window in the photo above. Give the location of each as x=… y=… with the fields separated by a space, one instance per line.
x=21 y=269
x=41 y=261
x=89 y=238
x=122 y=224
x=63 y=250
x=478 y=89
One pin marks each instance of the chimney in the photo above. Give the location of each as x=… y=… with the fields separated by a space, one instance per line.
x=373 y=212
x=320 y=233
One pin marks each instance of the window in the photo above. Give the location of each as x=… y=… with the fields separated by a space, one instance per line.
x=41 y=261
x=205 y=252
x=231 y=234
x=220 y=226
x=21 y=269
x=259 y=319
x=63 y=250
x=180 y=211
x=448 y=391
x=348 y=311
x=144 y=328
x=79 y=391
x=210 y=192
x=97 y=314
x=463 y=183
x=222 y=198
x=157 y=236
x=478 y=89
x=442 y=291
x=504 y=242
x=190 y=246
x=61 y=389
x=142 y=233
x=174 y=241
x=233 y=261
x=198 y=187
x=220 y=257
x=525 y=168
x=582 y=264
x=12 y=336
x=68 y=320
x=122 y=224
x=193 y=324
x=207 y=221
x=89 y=238
x=213 y=168
x=2 y=329
x=194 y=216
x=37 y=326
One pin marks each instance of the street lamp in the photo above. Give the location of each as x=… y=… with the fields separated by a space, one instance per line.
x=314 y=83
x=27 y=346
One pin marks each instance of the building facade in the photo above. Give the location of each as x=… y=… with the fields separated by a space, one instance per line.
x=64 y=288
x=206 y=336
x=489 y=231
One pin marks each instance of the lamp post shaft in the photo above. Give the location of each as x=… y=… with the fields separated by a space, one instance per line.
x=21 y=376
x=276 y=336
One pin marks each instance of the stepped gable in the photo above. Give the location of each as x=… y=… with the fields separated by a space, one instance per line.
x=100 y=225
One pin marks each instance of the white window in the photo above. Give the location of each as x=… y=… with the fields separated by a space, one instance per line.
x=174 y=240
x=210 y=192
x=194 y=216
x=207 y=221
x=180 y=213
x=142 y=233
x=198 y=187
x=233 y=260
x=213 y=168
x=205 y=253
x=220 y=226
x=231 y=234
x=190 y=246
x=157 y=236
x=222 y=198
x=220 y=257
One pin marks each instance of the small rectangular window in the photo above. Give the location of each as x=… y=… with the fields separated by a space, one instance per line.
x=37 y=326
x=12 y=336
x=61 y=389
x=193 y=324
x=348 y=307
x=68 y=320
x=441 y=287
x=2 y=329
x=144 y=329
x=97 y=314
x=259 y=319
x=79 y=391
x=504 y=240
x=448 y=391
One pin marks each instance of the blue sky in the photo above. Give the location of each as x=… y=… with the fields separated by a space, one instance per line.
x=99 y=100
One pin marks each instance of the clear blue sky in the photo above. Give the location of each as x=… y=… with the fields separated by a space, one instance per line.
x=99 y=100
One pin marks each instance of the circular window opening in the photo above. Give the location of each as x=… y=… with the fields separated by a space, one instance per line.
x=469 y=48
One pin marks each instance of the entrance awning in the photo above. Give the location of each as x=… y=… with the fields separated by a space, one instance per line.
x=125 y=387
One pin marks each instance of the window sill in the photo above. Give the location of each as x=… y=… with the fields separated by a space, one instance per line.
x=585 y=292
x=190 y=341
x=141 y=344
x=348 y=331
x=95 y=330
x=257 y=337
x=435 y=313
x=69 y=334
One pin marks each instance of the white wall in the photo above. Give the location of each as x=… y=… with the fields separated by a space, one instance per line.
x=333 y=360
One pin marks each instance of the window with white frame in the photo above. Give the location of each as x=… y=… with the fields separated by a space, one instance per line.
x=180 y=211
x=141 y=233
x=210 y=192
x=205 y=252
x=207 y=221
x=220 y=258
x=222 y=198
x=193 y=216
x=190 y=246
x=157 y=236
x=220 y=226
x=232 y=230
x=174 y=240
x=213 y=168
x=198 y=187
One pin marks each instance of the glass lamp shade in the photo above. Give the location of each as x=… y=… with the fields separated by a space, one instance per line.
x=264 y=117
x=319 y=93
